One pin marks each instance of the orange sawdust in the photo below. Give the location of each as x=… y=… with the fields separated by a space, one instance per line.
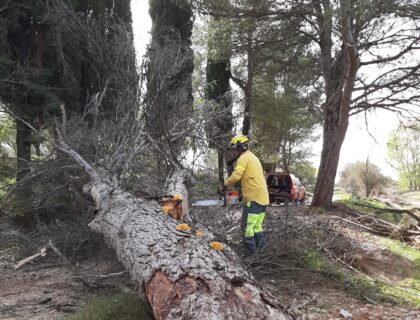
x=183 y=227
x=177 y=197
x=198 y=233
x=217 y=246
x=167 y=207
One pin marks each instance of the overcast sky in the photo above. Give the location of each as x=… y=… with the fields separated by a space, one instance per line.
x=360 y=142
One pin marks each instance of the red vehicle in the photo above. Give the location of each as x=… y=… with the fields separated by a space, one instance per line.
x=285 y=187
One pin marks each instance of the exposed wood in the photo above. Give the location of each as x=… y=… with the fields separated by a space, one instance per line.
x=177 y=194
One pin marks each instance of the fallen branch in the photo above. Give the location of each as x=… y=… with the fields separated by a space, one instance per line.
x=58 y=253
x=409 y=211
x=42 y=253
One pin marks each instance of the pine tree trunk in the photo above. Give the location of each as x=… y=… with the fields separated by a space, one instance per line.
x=221 y=167
x=178 y=273
x=246 y=126
x=23 y=150
x=339 y=77
x=332 y=141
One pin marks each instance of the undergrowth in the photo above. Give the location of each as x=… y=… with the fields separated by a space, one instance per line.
x=121 y=306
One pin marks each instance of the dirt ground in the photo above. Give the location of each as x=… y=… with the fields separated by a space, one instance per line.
x=45 y=288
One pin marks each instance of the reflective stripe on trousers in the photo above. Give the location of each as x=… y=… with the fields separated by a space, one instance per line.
x=252 y=219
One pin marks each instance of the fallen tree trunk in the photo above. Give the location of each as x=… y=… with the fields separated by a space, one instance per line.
x=178 y=273
x=395 y=209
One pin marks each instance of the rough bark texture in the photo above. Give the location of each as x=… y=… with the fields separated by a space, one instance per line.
x=339 y=77
x=178 y=273
x=181 y=276
x=246 y=126
x=23 y=149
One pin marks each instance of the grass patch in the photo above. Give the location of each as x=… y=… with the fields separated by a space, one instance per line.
x=405 y=251
x=403 y=293
x=341 y=195
x=314 y=260
x=121 y=306
x=381 y=292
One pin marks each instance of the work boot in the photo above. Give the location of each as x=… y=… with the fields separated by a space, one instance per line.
x=259 y=240
x=250 y=246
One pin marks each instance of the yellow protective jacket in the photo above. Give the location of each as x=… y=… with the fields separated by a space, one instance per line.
x=248 y=169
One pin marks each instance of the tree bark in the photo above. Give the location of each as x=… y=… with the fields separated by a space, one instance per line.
x=221 y=166
x=246 y=126
x=178 y=273
x=339 y=80
x=23 y=150
x=332 y=142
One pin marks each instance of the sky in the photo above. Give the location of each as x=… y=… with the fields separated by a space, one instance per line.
x=361 y=142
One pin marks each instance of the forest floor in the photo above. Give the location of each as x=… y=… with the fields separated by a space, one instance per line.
x=317 y=265
x=321 y=267
x=47 y=287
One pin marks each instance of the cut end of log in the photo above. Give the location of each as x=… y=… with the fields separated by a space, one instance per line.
x=173 y=207
x=163 y=294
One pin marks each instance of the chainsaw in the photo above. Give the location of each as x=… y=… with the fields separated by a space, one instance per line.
x=230 y=197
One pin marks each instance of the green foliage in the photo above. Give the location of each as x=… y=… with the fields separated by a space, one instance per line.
x=46 y=62
x=404 y=251
x=56 y=53
x=339 y=195
x=121 y=306
x=282 y=124
x=314 y=260
x=382 y=290
x=305 y=171
x=363 y=179
x=404 y=153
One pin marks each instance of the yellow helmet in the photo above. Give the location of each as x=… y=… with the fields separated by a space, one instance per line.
x=239 y=138
x=240 y=142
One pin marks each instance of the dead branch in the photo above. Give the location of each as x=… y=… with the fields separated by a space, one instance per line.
x=58 y=253
x=409 y=211
x=42 y=253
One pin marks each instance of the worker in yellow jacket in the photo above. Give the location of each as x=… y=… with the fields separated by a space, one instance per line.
x=249 y=171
